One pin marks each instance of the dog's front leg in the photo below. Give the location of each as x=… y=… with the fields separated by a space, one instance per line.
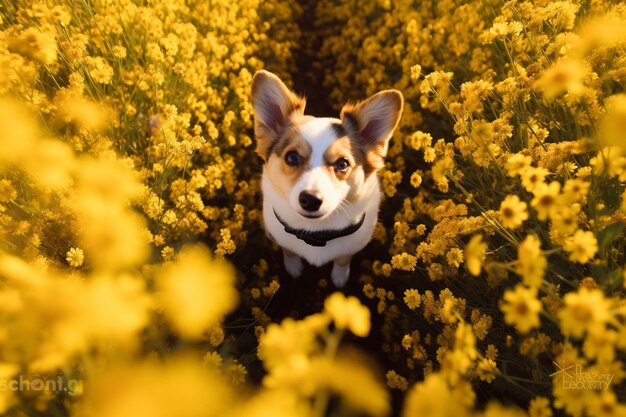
x=293 y=263
x=341 y=271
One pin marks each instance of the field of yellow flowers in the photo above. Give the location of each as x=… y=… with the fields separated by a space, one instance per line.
x=136 y=279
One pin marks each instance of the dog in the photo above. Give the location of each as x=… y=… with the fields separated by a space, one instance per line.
x=321 y=192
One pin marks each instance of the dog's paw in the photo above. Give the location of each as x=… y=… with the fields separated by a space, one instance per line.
x=340 y=274
x=293 y=265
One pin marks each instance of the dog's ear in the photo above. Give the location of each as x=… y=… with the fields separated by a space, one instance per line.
x=373 y=121
x=272 y=103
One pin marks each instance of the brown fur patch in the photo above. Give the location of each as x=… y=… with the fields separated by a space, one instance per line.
x=274 y=105
x=342 y=148
x=368 y=157
x=286 y=136
x=282 y=176
x=346 y=147
x=371 y=123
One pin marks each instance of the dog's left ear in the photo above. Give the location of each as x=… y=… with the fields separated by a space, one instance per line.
x=272 y=103
x=374 y=120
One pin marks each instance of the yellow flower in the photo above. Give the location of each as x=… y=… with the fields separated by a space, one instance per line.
x=531 y=264
x=513 y=212
x=454 y=257
x=473 y=93
x=212 y=360
x=7 y=191
x=606 y=404
x=179 y=387
x=407 y=342
x=575 y=190
x=119 y=51
x=539 y=407
x=196 y=291
x=271 y=289
x=99 y=70
x=582 y=247
x=237 y=373
x=546 y=199
x=613 y=125
x=416 y=71
x=353 y=382
x=75 y=257
x=532 y=177
x=416 y=179
x=404 y=261
x=565 y=220
x=114 y=308
x=412 y=298
x=566 y=76
x=583 y=311
x=73 y=108
x=36 y=45
x=285 y=346
x=348 y=313
x=429 y=154
x=432 y=397
x=517 y=164
x=474 y=254
x=420 y=140
x=395 y=381
x=486 y=370
x=600 y=345
x=215 y=335
x=521 y=308
x=609 y=161
x=503 y=29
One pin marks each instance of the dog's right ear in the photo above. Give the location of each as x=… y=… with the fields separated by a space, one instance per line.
x=272 y=103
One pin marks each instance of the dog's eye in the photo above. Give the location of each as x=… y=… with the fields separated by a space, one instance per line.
x=292 y=158
x=342 y=165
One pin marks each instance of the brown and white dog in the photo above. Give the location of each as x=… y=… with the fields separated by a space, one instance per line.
x=321 y=194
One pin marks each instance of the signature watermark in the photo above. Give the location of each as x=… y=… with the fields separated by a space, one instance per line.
x=575 y=377
x=36 y=383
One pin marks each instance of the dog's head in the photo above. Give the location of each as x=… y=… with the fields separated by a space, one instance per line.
x=317 y=164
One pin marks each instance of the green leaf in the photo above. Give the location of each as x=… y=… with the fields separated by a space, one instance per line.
x=613 y=281
x=30 y=209
x=607 y=235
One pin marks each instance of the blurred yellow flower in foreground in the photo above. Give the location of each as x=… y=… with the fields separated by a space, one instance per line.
x=566 y=76
x=474 y=254
x=34 y=44
x=613 y=127
x=521 y=308
x=197 y=291
x=73 y=108
x=546 y=199
x=18 y=133
x=432 y=398
x=77 y=314
x=287 y=344
x=584 y=311
x=531 y=263
x=348 y=313
x=582 y=247
x=513 y=211
x=179 y=387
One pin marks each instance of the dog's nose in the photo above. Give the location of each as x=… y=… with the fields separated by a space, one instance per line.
x=309 y=202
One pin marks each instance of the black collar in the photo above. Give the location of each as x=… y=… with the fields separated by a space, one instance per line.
x=320 y=237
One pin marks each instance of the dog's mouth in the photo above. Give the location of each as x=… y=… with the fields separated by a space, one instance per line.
x=311 y=216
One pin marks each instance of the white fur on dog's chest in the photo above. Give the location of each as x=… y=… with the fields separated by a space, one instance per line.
x=335 y=248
